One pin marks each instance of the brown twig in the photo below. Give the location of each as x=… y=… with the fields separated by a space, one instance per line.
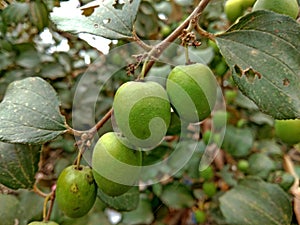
x=204 y=33
x=159 y=48
x=295 y=190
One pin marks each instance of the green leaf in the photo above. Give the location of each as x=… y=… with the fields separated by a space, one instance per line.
x=29 y=112
x=53 y=71
x=237 y=141
x=256 y=202
x=104 y=18
x=260 y=165
x=142 y=215
x=263 y=51
x=126 y=202
x=16 y=12
x=9 y=209
x=31 y=206
x=19 y=163
x=177 y=196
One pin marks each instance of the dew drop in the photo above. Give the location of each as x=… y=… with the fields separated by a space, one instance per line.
x=96 y=25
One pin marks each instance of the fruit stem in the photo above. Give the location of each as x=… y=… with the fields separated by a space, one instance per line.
x=38 y=191
x=45 y=207
x=143 y=72
x=204 y=33
x=159 y=48
x=186 y=53
x=79 y=155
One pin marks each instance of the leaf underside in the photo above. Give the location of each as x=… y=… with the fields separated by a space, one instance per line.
x=19 y=163
x=103 y=18
x=263 y=51
x=256 y=202
x=29 y=112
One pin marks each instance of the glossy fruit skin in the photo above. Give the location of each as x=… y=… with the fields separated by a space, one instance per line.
x=192 y=90
x=76 y=191
x=236 y=8
x=116 y=167
x=248 y=3
x=233 y=9
x=288 y=130
x=286 y=7
x=142 y=112
x=43 y=223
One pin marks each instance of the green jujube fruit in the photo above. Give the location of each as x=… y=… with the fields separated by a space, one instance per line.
x=43 y=223
x=76 y=191
x=142 y=112
x=286 y=7
x=116 y=167
x=192 y=90
x=288 y=130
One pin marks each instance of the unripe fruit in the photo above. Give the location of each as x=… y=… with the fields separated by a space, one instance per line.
x=288 y=130
x=286 y=7
x=116 y=167
x=76 y=191
x=247 y=3
x=43 y=223
x=192 y=90
x=200 y=216
x=209 y=188
x=142 y=112
x=233 y=9
x=243 y=165
x=207 y=174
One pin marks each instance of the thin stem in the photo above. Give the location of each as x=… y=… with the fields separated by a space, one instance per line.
x=38 y=191
x=101 y=122
x=204 y=33
x=45 y=206
x=140 y=42
x=50 y=207
x=186 y=52
x=159 y=48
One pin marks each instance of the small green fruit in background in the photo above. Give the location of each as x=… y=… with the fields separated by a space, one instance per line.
x=233 y=9
x=116 y=167
x=43 y=223
x=209 y=188
x=192 y=90
x=236 y=8
x=230 y=96
x=288 y=130
x=248 y=3
x=207 y=173
x=142 y=112
x=76 y=191
x=286 y=7
x=200 y=216
x=243 y=165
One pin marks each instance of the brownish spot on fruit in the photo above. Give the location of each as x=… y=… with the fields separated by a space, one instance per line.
x=74 y=188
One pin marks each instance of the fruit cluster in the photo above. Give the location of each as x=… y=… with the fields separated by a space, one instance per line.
x=142 y=113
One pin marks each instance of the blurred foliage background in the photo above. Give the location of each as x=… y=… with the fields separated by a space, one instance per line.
x=32 y=46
